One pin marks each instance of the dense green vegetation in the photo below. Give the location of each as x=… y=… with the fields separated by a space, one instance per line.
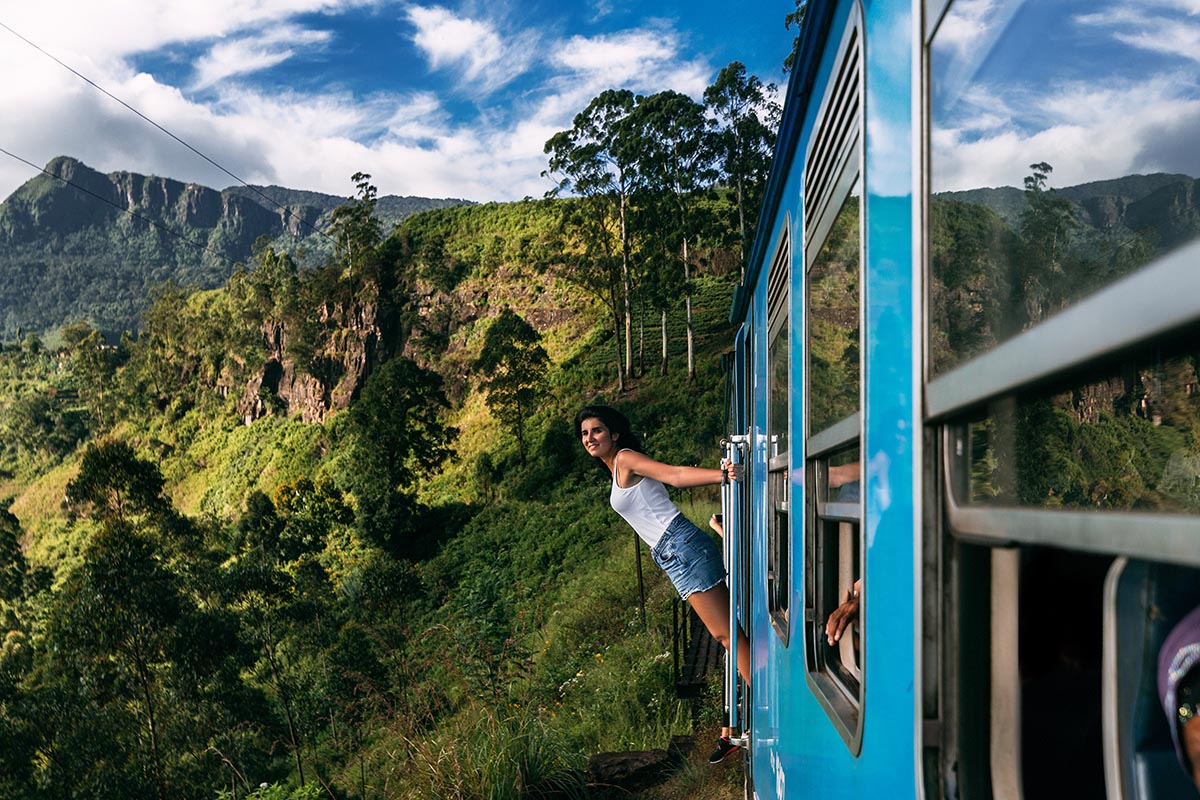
x=216 y=605
x=327 y=532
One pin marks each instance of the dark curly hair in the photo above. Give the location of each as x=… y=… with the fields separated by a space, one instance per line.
x=617 y=424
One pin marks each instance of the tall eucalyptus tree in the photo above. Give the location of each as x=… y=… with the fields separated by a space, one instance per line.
x=594 y=161
x=747 y=120
x=677 y=163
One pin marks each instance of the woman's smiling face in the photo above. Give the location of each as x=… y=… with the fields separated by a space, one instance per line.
x=596 y=438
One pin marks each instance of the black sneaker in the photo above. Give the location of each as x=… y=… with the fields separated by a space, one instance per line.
x=724 y=748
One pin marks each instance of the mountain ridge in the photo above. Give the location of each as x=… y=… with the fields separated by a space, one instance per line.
x=79 y=244
x=1106 y=202
x=76 y=244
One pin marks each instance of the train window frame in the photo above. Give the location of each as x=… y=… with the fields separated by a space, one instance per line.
x=833 y=168
x=1062 y=344
x=1066 y=346
x=779 y=517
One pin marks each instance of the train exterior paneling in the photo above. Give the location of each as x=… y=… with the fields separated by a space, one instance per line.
x=796 y=751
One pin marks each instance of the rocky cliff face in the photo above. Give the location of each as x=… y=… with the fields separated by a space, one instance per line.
x=77 y=244
x=1172 y=211
x=83 y=198
x=358 y=338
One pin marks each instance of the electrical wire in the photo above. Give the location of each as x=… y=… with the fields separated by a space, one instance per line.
x=112 y=96
x=129 y=211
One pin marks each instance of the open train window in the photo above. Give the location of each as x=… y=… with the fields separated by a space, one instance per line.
x=779 y=532
x=833 y=382
x=1063 y=375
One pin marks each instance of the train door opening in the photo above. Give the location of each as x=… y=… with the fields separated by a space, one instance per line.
x=736 y=510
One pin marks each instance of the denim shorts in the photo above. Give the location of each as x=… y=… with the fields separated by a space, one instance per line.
x=690 y=557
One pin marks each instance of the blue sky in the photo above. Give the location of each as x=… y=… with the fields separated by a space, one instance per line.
x=1099 y=89
x=440 y=99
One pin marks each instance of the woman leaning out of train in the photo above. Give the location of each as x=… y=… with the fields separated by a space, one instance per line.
x=687 y=554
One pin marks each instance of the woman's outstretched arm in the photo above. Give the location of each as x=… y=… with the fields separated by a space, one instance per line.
x=678 y=476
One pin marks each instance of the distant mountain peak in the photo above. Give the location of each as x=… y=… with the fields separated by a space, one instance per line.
x=86 y=245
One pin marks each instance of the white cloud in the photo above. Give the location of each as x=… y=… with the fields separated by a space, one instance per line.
x=1157 y=27
x=1077 y=135
x=1191 y=7
x=623 y=52
x=472 y=47
x=971 y=25
x=616 y=59
x=408 y=141
x=113 y=29
x=643 y=60
x=1139 y=117
x=448 y=39
x=419 y=118
x=601 y=9
x=253 y=53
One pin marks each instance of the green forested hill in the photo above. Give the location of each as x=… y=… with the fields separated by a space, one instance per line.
x=327 y=526
x=202 y=592
x=323 y=527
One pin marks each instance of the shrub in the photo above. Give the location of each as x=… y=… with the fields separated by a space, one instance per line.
x=490 y=753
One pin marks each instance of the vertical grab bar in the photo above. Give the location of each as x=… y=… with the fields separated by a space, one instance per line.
x=731 y=516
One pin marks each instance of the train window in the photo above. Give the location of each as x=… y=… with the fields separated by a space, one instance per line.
x=1061 y=159
x=833 y=380
x=1061 y=244
x=779 y=582
x=1062 y=320
x=835 y=368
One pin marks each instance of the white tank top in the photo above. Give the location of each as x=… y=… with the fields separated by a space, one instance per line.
x=646 y=506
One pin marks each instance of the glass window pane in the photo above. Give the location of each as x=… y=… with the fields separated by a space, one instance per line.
x=1063 y=156
x=777 y=371
x=833 y=316
x=1125 y=438
x=843 y=477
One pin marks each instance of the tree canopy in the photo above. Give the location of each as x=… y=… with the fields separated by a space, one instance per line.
x=513 y=364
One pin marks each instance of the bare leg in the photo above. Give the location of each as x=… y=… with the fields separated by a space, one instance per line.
x=712 y=606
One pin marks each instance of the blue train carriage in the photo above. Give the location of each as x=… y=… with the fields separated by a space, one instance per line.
x=965 y=383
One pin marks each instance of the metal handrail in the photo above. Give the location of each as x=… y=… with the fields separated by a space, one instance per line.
x=734 y=447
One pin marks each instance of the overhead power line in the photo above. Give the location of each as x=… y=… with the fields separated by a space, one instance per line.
x=147 y=119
